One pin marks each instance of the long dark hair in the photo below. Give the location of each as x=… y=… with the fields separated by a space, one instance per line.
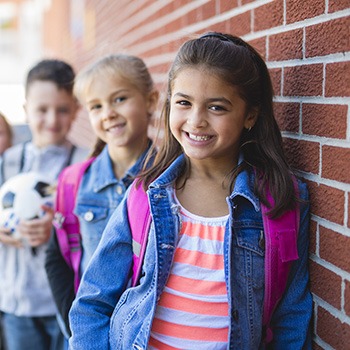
x=238 y=64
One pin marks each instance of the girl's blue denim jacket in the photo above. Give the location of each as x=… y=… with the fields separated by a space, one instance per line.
x=108 y=315
x=99 y=194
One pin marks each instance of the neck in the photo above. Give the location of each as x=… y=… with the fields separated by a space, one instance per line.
x=209 y=170
x=125 y=157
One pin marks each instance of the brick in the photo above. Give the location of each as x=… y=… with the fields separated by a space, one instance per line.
x=331 y=330
x=151 y=17
x=327 y=38
x=268 y=16
x=158 y=51
x=286 y=46
x=348 y=210
x=208 y=10
x=324 y=120
x=287 y=115
x=276 y=77
x=302 y=155
x=303 y=80
x=337 y=5
x=336 y=163
x=240 y=24
x=227 y=5
x=192 y=17
x=260 y=46
x=221 y=27
x=297 y=10
x=161 y=68
x=347 y=298
x=325 y=284
x=313 y=235
x=334 y=248
x=337 y=79
x=327 y=202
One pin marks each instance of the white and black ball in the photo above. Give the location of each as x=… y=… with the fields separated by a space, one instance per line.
x=21 y=198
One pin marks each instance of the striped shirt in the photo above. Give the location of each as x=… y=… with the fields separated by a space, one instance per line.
x=192 y=312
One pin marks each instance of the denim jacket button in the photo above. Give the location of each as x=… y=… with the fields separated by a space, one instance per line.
x=89 y=215
x=119 y=189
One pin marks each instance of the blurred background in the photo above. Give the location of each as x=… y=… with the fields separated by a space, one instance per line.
x=20 y=46
x=306 y=45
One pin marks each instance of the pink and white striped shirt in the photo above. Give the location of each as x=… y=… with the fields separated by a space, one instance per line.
x=192 y=312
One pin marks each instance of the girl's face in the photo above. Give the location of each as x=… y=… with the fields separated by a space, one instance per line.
x=207 y=116
x=119 y=112
x=50 y=112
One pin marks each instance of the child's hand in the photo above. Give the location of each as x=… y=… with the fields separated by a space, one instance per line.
x=7 y=238
x=37 y=231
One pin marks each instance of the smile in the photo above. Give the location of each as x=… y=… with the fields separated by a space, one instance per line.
x=115 y=127
x=199 y=137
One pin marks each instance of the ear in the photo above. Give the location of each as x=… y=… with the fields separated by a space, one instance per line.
x=152 y=101
x=251 y=118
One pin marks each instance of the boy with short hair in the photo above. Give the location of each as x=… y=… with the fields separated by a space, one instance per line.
x=26 y=303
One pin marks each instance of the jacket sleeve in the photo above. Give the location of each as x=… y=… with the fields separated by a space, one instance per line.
x=291 y=320
x=104 y=280
x=61 y=279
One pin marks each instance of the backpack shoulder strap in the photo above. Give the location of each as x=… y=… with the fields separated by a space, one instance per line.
x=65 y=222
x=138 y=212
x=280 y=251
x=13 y=161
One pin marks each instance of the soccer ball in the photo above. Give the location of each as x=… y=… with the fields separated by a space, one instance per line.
x=21 y=198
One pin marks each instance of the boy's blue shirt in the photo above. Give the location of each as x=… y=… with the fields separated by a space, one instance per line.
x=24 y=289
x=106 y=315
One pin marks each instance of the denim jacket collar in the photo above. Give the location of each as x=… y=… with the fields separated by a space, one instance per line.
x=170 y=174
x=244 y=186
x=105 y=178
x=240 y=189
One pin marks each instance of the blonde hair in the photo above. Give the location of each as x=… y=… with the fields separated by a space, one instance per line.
x=128 y=67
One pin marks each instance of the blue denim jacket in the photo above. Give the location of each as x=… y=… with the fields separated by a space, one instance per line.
x=99 y=194
x=107 y=315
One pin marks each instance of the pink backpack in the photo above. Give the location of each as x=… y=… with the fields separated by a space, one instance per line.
x=280 y=237
x=65 y=222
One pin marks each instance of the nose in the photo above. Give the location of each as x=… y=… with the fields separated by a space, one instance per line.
x=51 y=117
x=109 y=112
x=197 y=118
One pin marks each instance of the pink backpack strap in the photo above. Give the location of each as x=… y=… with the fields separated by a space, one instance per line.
x=65 y=222
x=280 y=251
x=139 y=220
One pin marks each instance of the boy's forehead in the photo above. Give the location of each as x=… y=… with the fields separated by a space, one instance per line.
x=36 y=86
x=41 y=89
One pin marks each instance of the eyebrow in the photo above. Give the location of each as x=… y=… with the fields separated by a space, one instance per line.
x=210 y=100
x=121 y=91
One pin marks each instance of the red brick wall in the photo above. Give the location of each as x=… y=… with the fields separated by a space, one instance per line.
x=307 y=48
